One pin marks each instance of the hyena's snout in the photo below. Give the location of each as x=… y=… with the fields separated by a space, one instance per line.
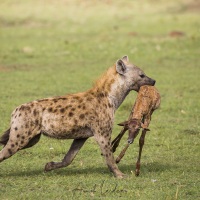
x=151 y=81
x=144 y=81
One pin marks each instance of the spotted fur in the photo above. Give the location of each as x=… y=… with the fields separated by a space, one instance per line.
x=75 y=116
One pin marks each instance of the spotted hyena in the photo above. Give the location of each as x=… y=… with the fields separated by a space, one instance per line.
x=75 y=116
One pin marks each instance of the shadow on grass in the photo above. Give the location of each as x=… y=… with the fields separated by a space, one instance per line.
x=70 y=171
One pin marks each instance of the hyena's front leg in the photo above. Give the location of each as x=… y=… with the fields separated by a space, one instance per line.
x=74 y=149
x=104 y=142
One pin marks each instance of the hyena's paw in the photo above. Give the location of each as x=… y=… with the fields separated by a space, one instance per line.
x=121 y=176
x=49 y=166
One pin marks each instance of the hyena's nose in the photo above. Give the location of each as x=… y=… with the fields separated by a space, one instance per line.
x=153 y=82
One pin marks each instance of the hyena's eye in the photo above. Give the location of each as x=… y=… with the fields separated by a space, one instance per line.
x=142 y=75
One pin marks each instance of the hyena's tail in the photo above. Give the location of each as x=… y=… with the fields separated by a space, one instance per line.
x=5 y=137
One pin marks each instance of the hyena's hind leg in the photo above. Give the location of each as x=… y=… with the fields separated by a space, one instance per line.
x=33 y=141
x=14 y=142
x=69 y=157
x=8 y=149
x=5 y=137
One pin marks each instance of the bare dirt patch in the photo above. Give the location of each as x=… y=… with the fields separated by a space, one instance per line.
x=193 y=6
x=176 y=34
x=9 y=68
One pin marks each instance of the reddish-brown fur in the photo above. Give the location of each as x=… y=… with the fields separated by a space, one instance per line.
x=148 y=100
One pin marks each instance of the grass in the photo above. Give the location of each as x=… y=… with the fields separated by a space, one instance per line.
x=50 y=48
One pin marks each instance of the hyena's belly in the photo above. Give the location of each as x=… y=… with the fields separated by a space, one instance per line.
x=64 y=127
x=66 y=131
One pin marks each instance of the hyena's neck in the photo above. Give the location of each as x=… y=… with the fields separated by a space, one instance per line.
x=113 y=87
x=117 y=94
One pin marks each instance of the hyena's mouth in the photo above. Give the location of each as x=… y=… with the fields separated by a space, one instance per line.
x=150 y=82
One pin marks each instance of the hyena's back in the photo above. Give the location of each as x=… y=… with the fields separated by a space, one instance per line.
x=55 y=116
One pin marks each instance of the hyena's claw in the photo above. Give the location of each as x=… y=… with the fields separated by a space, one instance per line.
x=121 y=176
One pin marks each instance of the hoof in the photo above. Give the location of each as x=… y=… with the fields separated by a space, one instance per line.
x=137 y=172
x=117 y=160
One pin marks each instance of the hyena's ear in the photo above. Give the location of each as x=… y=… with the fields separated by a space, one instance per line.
x=120 y=67
x=125 y=58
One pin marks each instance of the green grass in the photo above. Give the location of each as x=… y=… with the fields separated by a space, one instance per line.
x=50 y=48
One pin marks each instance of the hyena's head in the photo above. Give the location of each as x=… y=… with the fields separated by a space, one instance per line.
x=132 y=75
